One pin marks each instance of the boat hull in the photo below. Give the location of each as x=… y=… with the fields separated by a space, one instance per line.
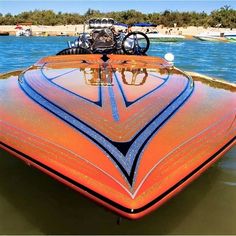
x=163 y=39
x=126 y=213
x=231 y=39
x=157 y=37
x=212 y=39
x=128 y=133
x=4 y=33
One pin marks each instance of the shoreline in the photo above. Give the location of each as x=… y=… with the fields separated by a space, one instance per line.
x=74 y=30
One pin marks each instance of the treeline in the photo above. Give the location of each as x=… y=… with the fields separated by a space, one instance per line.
x=223 y=17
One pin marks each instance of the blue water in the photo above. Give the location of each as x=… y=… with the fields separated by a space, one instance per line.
x=209 y=58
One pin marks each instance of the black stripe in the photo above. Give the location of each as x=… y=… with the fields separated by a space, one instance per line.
x=122 y=147
x=109 y=201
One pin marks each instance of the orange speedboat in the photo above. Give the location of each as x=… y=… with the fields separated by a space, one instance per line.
x=128 y=131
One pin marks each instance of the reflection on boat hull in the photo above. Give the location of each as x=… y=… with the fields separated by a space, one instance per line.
x=129 y=132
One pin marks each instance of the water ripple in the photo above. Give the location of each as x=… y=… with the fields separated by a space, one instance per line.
x=210 y=58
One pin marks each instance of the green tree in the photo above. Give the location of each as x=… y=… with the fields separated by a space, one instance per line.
x=224 y=17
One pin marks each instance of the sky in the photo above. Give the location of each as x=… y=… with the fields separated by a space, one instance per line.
x=81 y=6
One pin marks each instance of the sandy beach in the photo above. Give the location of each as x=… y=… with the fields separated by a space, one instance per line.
x=73 y=30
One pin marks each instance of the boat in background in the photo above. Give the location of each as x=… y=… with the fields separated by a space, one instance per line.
x=217 y=36
x=124 y=129
x=158 y=37
x=155 y=36
x=231 y=36
x=4 y=33
x=23 y=30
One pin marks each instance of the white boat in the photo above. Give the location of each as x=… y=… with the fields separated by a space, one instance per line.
x=217 y=36
x=158 y=37
x=20 y=31
x=231 y=36
x=155 y=36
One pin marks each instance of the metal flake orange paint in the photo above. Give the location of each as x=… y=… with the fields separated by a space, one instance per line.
x=119 y=100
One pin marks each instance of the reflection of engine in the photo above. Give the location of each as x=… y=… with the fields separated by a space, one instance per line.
x=134 y=77
x=96 y=77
